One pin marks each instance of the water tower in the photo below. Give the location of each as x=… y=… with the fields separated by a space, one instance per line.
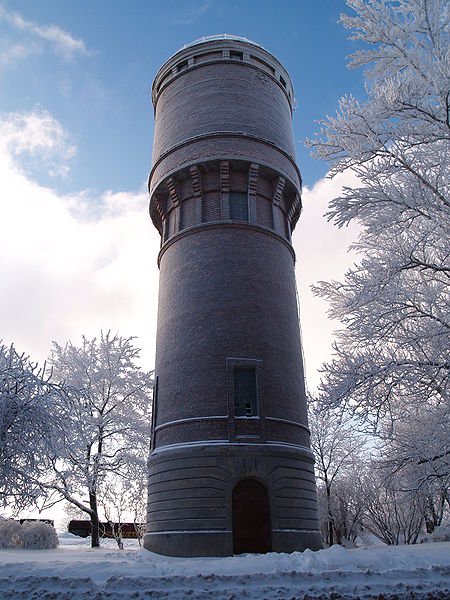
x=230 y=468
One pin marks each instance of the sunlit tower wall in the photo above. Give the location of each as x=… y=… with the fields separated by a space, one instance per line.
x=230 y=466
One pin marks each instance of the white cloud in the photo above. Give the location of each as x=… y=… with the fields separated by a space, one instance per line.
x=76 y=263
x=11 y=53
x=322 y=255
x=70 y=264
x=63 y=43
x=34 y=133
x=193 y=14
x=38 y=136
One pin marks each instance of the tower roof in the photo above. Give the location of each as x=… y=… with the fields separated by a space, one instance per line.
x=211 y=49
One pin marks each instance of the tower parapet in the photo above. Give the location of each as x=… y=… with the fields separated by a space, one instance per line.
x=224 y=103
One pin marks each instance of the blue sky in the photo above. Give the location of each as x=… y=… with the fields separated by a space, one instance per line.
x=101 y=92
x=76 y=127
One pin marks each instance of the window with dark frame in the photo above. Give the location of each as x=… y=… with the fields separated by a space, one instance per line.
x=236 y=55
x=244 y=389
x=238 y=206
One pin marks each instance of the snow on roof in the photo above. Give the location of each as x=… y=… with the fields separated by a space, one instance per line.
x=221 y=36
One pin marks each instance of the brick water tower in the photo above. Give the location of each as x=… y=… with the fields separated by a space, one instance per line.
x=230 y=468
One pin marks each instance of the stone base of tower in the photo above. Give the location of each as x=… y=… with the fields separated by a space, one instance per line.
x=224 y=499
x=190 y=543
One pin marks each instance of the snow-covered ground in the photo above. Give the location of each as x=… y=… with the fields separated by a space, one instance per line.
x=74 y=571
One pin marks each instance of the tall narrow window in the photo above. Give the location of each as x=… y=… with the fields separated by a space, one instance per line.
x=245 y=401
x=238 y=206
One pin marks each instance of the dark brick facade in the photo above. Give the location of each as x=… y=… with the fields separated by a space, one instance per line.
x=223 y=147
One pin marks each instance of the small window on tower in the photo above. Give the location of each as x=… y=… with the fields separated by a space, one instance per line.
x=238 y=206
x=236 y=55
x=244 y=383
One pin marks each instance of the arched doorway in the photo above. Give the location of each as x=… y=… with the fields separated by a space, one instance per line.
x=251 y=518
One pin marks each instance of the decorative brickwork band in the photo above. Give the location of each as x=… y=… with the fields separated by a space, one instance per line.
x=253 y=173
x=225 y=189
x=278 y=193
x=175 y=212
x=197 y=187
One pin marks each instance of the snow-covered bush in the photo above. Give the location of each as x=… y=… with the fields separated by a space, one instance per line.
x=10 y=533
x=440 y=534
x=32 y=534
x=38 y=535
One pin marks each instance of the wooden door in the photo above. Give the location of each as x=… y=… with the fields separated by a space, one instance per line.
x=251 y=518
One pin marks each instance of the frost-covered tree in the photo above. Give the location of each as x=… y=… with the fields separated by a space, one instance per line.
x=337 y=449
x=348 y=503
x=421 y=438
x=392 y=359
x=415 y=451
x=125 y=500
x=26 y=397
x=104 y=420
x=393 y=515
x=345 y=505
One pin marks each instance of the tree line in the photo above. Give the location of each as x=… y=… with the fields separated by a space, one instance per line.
x=76 y=429
x=389 y=374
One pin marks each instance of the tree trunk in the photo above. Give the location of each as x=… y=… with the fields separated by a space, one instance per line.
x=330 y=516
x=116 y=529
x=95 y=524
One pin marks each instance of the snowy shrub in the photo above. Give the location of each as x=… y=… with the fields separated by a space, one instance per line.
x=10 y=534
x=32 y=534
x=38 y=535
x=440 y=534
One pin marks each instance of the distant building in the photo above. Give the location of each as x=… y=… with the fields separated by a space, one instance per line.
x=230 y=468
